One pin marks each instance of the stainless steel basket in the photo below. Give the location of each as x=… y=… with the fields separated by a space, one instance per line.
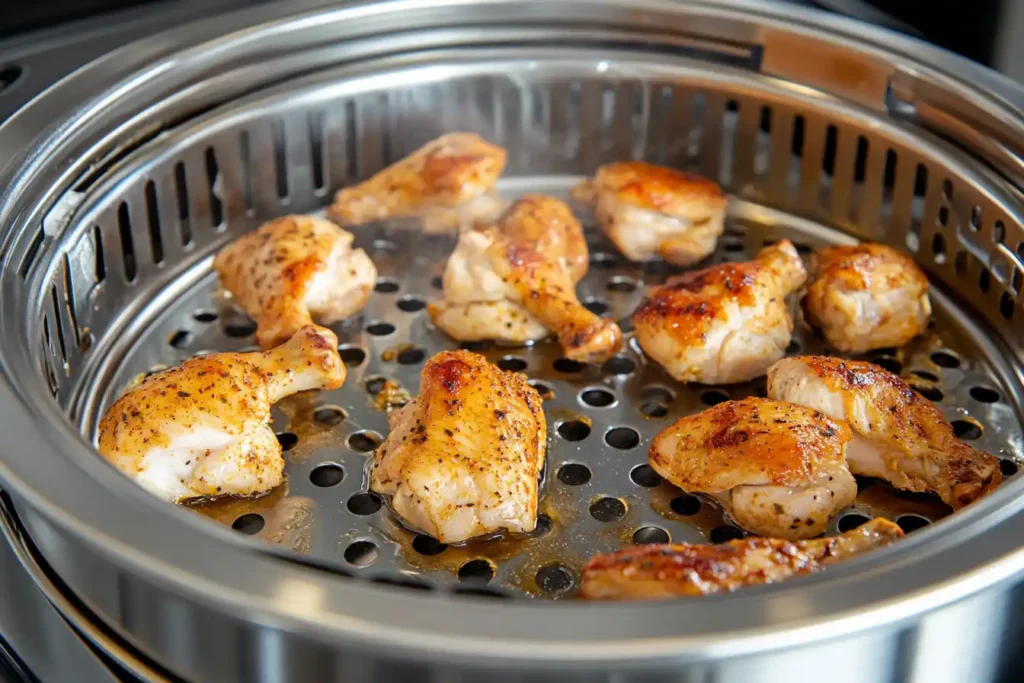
x=122 y=180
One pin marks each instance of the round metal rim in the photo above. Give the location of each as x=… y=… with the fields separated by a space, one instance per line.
x=813 y=609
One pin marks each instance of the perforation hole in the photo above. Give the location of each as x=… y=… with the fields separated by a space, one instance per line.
x=380 y=329
x=327 y=475
x=608 y=509
x=602 y=260
x=975 y=221
x=654 y=410
x=181 y=339
x=925 y=375
x=375 y=385
x=386 y=285
x=288 y=440
x=939 y=248
x=930 y=393
x=623 y=438
x=364 y=503
x=998 y=232
x=545 y=391
x=554 y=579
x=619 y=365
x=352 y=355
x=890 y=364
x=622 y=284
x=597 y=397
x=361 y=553
x=713 y=397
x=411 y=304
x=239 y=329
x=945 y=359
x=512 y=364
x=124 y=227
x=686 y=505
x=984 y=280
x=596 y=306
x=851 y=521
x=427 y=545
x=943 y=216
x=1006 y=306
x=984 y=394
x=413 y=356
x=544 y=526
x=650 y=535
x=212 y=184
x=657 y=394
x=574 y=474
x=567 y=366
x=204 y=316
x=10 y=74
x=436 y=283
x=644 y=475
x=573 y=430
x=364 y=441
x=249 y=524
x=1008 y=467
x=329 y=415
x=478 y=571
x=910 y=523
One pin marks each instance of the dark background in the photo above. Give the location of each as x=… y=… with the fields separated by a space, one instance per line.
x=969 y=27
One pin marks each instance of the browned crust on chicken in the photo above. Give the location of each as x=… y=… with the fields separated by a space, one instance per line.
x=663 y=571
x=658 y=188
x=548 y=226
x=445 y=172
x=752 y=441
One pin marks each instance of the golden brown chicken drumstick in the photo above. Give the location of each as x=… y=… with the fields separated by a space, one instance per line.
x=898 y=435
x=463 y=457
x=447 y=182
x=293 y=270
x=501 y=284
x=203 y=428
x=778 y=469
x=649 y=210
x=867 y=296
x=548 y=226
x=681 y=570
x=723 y=324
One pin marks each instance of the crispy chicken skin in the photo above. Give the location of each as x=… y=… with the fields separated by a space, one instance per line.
x=778 y=469
x=502 y=284
x=723 y=324
x=649 y=210
x=203 y=428
x=548 y=226
x=898 y=435
x=447 y=182
x=463 y=458
x=867 y=296
x=682 y=570
x=293 y=270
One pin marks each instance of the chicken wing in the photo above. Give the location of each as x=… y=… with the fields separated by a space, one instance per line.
x=898 y=435
x=547 y=226
x=293 y=270
x=203 y=427
x=778 y=469
x=651 y=210
x=463 y=458
x=668 y=571
x=867 y=296
x=447 y=182
x=501 y=284
x=723 y=324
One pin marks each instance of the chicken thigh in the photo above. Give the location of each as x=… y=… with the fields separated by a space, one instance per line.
x=683 y=570
x=867 y=296
x=777 y=468
x=723 y=324
x=649 y=210
x=463 y=458
x=898 y=435
x=547 y=225
x=203 y=427
x=293 y=270
x=448 y=183
x=501 y=284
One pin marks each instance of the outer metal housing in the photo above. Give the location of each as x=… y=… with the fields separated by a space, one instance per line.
x=936 y=607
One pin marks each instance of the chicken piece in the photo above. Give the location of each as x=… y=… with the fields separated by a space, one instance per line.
x=548 y=226
x=867 y=296
x=684 y=570
x=898 y=435
x=203 y=428
x=447 y=182
x=497 y=288
x=778 y=469
x=723 y=324
x=292 y=270
x=464 y=457
x=649 y=210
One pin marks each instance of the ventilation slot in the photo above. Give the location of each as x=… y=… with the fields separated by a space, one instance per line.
x=153 y=216
x=315 y=121
x=917 y=207
x=214 y=184
x=351 y=140
x=245 y=159
x=280 y=158
x=184 y=219
x=101 y=264
x=51 y=376
x=30 y=254
x=69 y=301
x=124 y=227
x=796 y=153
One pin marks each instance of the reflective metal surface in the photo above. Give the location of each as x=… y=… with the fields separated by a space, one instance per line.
x=147 y=161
